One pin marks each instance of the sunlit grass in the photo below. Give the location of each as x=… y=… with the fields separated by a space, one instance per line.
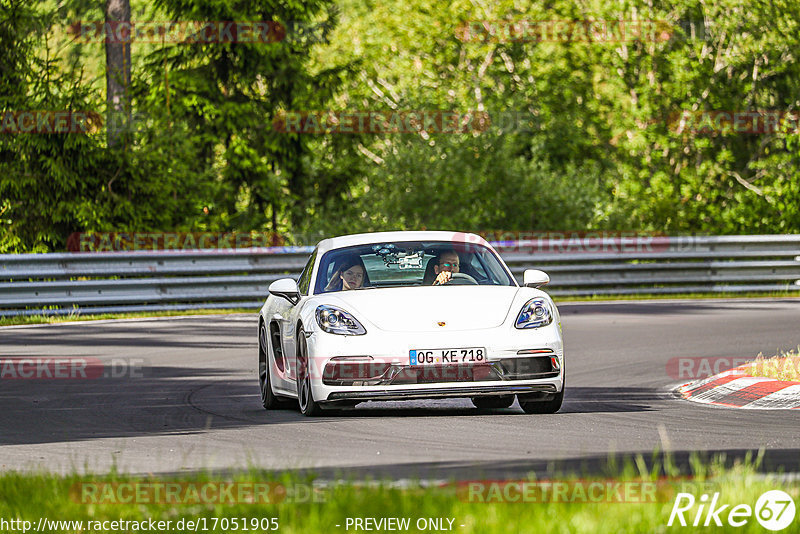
x=315 y=506
x=76 y=316
x=782 y=366
x=675 y=296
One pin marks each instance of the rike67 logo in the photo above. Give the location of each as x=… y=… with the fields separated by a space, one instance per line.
x=774 y=510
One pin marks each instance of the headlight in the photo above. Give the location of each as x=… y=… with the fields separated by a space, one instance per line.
x=337 y=321
x=536 y=312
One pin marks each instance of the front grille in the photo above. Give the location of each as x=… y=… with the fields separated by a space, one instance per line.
x=344 y=374
x=385 y=374
x=446 y=373
x=527 y=368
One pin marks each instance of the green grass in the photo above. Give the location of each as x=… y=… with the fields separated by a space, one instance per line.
x=33 y=496
x=676 y=296
x=49 y=319
x=783 y=366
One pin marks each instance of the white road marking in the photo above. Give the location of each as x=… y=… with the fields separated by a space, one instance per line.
x=714 y=394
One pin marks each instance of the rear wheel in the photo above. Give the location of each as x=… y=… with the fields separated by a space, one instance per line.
x=533 y=403
x=268 y=398
x=305 y=397
x=493 y=403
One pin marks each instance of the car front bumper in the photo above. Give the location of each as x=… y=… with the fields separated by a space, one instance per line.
x=389 y=375
x=439 y=393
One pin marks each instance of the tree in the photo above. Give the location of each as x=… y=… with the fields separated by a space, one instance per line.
x=229 y=94
x=118 y=65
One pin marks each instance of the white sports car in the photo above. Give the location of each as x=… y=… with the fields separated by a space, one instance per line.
x=410 y=315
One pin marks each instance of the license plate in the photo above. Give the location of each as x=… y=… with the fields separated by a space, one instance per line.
x=447 y=356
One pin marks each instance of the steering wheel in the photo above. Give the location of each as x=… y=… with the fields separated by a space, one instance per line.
x=461 y=279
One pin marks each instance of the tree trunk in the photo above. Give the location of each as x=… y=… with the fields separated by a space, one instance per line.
x=118 y=67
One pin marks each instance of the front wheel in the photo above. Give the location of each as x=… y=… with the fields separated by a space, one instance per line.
x=530 y=403
x=268 y=398
x=305 y=397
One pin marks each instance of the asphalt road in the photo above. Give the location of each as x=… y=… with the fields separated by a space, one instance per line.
x=190 y=401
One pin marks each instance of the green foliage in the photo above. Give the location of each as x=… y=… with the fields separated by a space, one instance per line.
x=229 y=94
x=675 y=181
x=470 y=182
x=601 y=110
x=52 y=185
x=42 y=176
x=596 y=144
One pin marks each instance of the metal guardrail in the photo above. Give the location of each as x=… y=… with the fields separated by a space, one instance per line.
x=112 y=282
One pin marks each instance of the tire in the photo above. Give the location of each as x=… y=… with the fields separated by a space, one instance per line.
x=305 y=397
x=268 y=398
x=493 y=403
x=529 y=405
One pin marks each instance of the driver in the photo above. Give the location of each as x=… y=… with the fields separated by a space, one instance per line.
x=447 y=263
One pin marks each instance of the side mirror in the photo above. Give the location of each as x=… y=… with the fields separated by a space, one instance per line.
x=535 y=278
x=285 y=288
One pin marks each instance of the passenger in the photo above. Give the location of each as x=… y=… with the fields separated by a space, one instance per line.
x=350 y=274
x=447 y=263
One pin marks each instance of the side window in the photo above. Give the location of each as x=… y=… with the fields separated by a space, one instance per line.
x=305 y=277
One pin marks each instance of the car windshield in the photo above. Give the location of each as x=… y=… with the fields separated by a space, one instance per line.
x=409 y=263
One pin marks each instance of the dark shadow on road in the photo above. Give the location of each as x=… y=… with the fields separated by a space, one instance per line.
x=610 y=400
x=576 y=400
x=194 y=332
x=773 y=461
x=185 y=400
x=162 y=401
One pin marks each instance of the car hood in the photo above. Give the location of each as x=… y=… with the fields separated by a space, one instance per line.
x=422 y=308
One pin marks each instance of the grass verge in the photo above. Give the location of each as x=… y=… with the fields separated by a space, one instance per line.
x=783 y=366
x=677 y=296
x=300 y=504
x=50 y=319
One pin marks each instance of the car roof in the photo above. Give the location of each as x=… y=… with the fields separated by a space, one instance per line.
x=414 y=235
